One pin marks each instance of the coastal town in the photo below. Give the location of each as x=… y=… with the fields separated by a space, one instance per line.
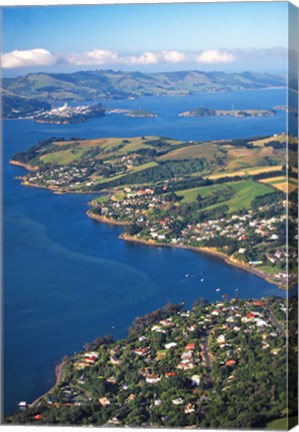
x=254 y=238
x=177 y=368
x=182 y=194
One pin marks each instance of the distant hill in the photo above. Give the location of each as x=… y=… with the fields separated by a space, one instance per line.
x=208 y=112
x=15 y=106
x=92 y=85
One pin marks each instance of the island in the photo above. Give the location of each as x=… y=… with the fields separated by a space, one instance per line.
x=139 y=113
x=225 y=197
x=181 y=368
x=208 y=112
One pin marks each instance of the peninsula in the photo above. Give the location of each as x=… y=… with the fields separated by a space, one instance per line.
x=208 y=112
x=67 y=114
x=221 y=197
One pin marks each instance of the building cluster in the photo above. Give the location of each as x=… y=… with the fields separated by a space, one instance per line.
x=198 y=346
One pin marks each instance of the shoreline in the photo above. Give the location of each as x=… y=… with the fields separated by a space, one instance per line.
x=104 y=219
x=59 y=370
x=23 y=165
x=127 y=237
x=206 y=250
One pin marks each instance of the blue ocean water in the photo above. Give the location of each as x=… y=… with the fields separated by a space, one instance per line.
x=68 y=279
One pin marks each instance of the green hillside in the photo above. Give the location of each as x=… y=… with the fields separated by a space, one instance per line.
x=91 y=85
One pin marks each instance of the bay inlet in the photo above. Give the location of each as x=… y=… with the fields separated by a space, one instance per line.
x=69 y=279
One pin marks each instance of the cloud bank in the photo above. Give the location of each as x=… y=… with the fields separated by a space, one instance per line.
x=43 y=57
x=34 y=57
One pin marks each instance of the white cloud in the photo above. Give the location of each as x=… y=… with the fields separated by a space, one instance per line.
x=27 y=58
x=174 y=56
x=143 y=59
x=215 y=56
x=43 y=57
x=95 y=57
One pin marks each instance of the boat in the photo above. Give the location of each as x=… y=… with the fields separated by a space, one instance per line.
x=202 y=279
x=187 y=275
x=218 y=289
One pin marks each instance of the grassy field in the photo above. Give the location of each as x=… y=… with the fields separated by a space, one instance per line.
x=244 y=193
x=189 y=195
x=120 y=196
x=281 y=138
x=246 y=172
x=197 y=151
x=242 y=157
x=281 y=184
x=106 y=147
x=64 y=157
x=143 y=167
x=102 y=199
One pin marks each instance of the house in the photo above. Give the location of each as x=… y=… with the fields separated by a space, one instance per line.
x=259 y=303
x=215 y=312
x=111 y=380
x=190 y=347
x=195 y=380
x=91 y=354
x=221 y=339
x=141 y=351
x=158 y=329
x=261 y=323
x=178 y=401
x=131 y=397
x=115 y=361
x=158 y=402
x=189 y=408
x=90 y=360
x=104 y=401
x=230 y=363
x=152 y=379
x=186 y=366
x=170 y=345
x=166 y=323
x=170 y=374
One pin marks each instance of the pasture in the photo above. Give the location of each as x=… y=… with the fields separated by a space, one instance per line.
x=244 y=193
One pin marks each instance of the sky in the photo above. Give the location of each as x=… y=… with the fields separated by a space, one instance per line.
x=146 y=37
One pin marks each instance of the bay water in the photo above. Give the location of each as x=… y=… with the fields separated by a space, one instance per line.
x=68 y=279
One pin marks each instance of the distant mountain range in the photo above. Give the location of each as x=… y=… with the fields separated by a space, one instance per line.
x=25 y=95
x=92 y=85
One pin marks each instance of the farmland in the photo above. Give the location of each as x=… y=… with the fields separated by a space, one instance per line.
x=214 y=194
x=243 y=193
x=281 y=183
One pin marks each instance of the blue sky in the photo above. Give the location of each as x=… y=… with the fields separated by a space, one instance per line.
x=147 y=37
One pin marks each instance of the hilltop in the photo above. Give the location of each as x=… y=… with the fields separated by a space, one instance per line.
x=92 y=85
